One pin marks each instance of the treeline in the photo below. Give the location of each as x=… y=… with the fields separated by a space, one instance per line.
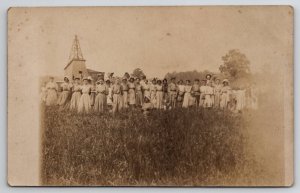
x=191 y=75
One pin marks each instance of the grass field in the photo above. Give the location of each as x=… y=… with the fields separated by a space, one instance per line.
x=176 y=147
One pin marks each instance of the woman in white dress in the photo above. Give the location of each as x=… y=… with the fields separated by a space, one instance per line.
x=146 y=89
x=153 y=93
x=208 y=92
x=85 y=102
x=202 y=93
x=138 y=93
x=52 y=89
x=64 y=97
x=117 y=96
x=217 y=93
x=159 y=95
x=76 y=89
x=187 y=94
x=225 y=94
x=100 y=100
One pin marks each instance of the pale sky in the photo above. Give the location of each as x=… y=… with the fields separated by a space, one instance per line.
x=155 y=39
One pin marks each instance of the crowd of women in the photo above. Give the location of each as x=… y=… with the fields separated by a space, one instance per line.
x=115 y=94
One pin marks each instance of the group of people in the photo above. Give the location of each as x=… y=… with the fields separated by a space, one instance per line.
x=115 y=94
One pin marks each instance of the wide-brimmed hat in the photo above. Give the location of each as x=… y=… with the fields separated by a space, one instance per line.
x=85 y=78
x=89 y=78
x=208 y=75
x=226 y=80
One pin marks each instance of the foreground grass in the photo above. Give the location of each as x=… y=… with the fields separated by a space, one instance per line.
x=176 y=147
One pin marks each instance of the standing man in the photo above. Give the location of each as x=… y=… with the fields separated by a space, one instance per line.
x=172 y=90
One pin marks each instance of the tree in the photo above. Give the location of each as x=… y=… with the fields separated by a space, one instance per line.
x=235 y=65
x=138 y=73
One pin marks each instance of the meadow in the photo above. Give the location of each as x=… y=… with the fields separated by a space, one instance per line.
x=178 y=147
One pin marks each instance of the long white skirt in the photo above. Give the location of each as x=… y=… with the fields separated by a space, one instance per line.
x=208 y=101
x=75 y=100
x=51 y=98
x=186 y=100
x=159 y=100
x=100 y=102
x=84 y=105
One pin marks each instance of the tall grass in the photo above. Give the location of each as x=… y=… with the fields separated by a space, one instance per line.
x=176 y=147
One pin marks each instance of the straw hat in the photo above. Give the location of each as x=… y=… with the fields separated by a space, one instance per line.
x=226 y=80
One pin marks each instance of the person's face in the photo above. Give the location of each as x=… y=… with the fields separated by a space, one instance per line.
x=76 y=81
x=218 y=81
x=146 y=81
x=154 y=82
x=159 y=82
x=51 y=79
x=173 y=80
x=208 y=77
x=196 y=82
x=101 y=81
x=138 y=81
x=85 y=82
x=203 y=83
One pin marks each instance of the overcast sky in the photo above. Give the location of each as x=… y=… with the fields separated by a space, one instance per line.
x=157 y=40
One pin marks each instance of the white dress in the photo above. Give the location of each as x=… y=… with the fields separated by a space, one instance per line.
x=208 y=92
x=109 y=100
x=85 y=102
x=75 y=97
x=153 y=94
x=217 y=93
x=159 y=97
x=187 y=96
x=51 y=98
x=225 y=96
x=65 y=95
x=100 y=100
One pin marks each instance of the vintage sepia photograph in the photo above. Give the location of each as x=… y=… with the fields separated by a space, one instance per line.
x=150 y=96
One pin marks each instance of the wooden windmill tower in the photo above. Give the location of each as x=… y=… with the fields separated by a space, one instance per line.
x=76 y=66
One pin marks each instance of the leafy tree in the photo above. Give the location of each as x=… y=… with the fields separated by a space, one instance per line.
x=235 y=65
x=138 y=73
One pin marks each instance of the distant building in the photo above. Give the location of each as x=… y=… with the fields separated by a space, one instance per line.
x=76 y=66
